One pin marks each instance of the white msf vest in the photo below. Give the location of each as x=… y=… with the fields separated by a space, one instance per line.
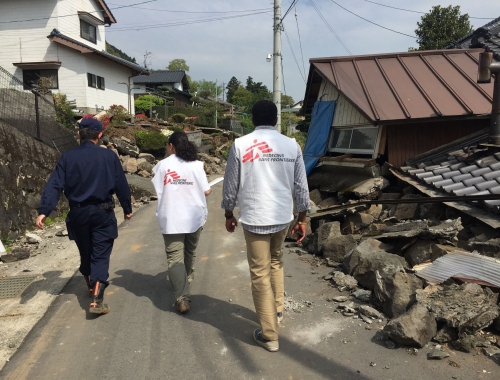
x=267 y=161
x=180 y=186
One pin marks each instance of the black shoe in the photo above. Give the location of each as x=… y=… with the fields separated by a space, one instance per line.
x=270 y=345
x=183 y=305
x=97 y=306
x=87 y=280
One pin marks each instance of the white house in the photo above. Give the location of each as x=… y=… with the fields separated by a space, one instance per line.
x=65 y=40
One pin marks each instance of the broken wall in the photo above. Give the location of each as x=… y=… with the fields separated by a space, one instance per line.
x=25 y=165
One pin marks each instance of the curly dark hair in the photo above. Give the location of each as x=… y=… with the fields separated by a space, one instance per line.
x=184 y=149
x=264 y=112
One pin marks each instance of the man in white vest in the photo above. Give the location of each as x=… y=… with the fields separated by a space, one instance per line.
x=265 y=174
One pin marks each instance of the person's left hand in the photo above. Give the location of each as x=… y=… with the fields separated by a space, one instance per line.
x=128 y=216
x=40 y=221
x=300 y=230
x=231 y=224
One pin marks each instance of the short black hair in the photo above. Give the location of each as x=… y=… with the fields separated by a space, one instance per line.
x=264 y=112
x=88 y=134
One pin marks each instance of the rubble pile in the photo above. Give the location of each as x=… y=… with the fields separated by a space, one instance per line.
x=134 y=161
x=377 y=252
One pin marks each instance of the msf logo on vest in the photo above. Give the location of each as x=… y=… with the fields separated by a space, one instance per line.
x=170 y=176
x=261 y=147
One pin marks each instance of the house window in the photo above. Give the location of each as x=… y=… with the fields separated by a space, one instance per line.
x=95 y=81
x=360 y=140
x=88 y=31
x=31 y=78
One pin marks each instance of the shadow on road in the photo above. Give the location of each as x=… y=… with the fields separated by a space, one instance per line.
x=235 y=323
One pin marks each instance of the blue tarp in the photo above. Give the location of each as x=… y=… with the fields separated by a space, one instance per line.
x=319 y=129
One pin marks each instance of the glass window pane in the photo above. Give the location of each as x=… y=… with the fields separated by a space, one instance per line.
x=341 y=138
x=364 y=138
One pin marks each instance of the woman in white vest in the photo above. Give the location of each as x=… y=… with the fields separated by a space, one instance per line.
x=181 y=185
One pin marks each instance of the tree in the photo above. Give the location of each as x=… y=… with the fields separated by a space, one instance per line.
x=286 y=101
x=178 y=64
x=205 y=88
x=244 y=98
x=233 y=85
x=142 y=103
x=442 y=26
x=118 y=53
x=258 y=88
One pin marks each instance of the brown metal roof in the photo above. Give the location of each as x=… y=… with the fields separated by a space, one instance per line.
x=405 y=86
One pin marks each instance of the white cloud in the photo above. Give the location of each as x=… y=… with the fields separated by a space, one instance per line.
x=238 y=47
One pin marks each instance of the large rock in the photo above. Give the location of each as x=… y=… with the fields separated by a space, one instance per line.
x=414 y=328
x=148 y=157
x=489 y=248
x=439 y=250
x=401 y=230
x=446 y=334
x=33 y=239
x=419 y=252
x=355 y=222
x=125 y=147
x=329 y=202
x=432 y=211
x=129 y=165
x=315 y=196
x=344 y=281
x=467 y=307
x=339 y=247
x=143 y=164
x=370 y=257
x=326 y=232
x=395 y=294
x=406 y=211
x=17 y=254
x=449 y=229
x=375 y=211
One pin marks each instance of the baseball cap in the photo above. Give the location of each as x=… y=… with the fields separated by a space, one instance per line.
x=91 y=123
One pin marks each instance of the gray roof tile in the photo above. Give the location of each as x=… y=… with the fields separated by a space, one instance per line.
x=434 y=178
x=461 y=177
x=444 y=182
x=468 y=168
x=492 y=175
x=486 y=185
x=451 y=174
x=161 y=76
x=480 y=172
x=455 y=186
x=485 y=161
x=473 y=181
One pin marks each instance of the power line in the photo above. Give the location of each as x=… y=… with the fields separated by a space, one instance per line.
x=73 y=14
x=371 y=22
x=294 y=2
x=202 y=12
x=300 y=41
x=409 y=10
x=293 y=53
x=180 y=23
x=329 y=27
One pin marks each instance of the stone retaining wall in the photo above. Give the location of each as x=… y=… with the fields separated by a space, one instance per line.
x=25 y=165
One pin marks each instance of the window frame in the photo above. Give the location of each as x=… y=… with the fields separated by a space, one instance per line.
x=88 y=27
x=95 y=81
x=349 y=150
x=39 y=73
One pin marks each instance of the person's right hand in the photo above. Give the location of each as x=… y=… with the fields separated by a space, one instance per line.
x=128 y=216
x=40 y=221
x=231 y=224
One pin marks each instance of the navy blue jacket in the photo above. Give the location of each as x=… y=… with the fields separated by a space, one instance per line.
x=87 y=173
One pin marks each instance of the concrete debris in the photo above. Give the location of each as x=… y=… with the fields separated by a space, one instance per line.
x=129 y=164
x=369 y=188
x=400 y=230
x=315 y=196
x=326 y=232
x=375 y=211
x=362 y=295
x=62 y=233
x=437 y=354
x=16 y=254
x=340 y=299
x=492 y=351
x=467 y=307
x=328 y=202
x=148 y=157
x=419 y=252
x=344 y=281
x=370 y=312
x=395 y=293
x=125 y=147
x=405 y=211
x=370 y=257
x=489 y=248
x=338 y=248
x=414 y=328
x=33 y=239
x=446 y=334
x=290 y=305
x=448 y=229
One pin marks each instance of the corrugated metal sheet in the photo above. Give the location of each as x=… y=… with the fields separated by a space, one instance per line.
x=463 y=265
x=406 y=86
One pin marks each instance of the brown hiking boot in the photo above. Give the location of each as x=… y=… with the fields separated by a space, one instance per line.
x=97 y=306
x=183 y=305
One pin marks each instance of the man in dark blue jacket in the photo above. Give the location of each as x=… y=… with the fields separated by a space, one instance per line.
x=89 y=176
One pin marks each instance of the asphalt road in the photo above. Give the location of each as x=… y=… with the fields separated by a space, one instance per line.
x=143 y=337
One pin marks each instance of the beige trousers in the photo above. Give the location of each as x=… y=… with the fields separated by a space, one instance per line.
x=265 y=259
x=180 y=250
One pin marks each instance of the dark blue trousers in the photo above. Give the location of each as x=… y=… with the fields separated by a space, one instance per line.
x=94 y=231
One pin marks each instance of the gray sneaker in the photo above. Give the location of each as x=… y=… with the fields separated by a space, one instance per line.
x=270 y=345
x=280 y=317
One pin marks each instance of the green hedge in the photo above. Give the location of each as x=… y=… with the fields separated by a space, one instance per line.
x=151 y=142
x=199 y=112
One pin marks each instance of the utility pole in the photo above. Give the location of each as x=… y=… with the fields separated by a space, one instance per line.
x=146 y=56
x=216 y=103
x=277 y=61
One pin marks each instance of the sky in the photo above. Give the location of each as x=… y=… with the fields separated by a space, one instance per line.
x=239 y=36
